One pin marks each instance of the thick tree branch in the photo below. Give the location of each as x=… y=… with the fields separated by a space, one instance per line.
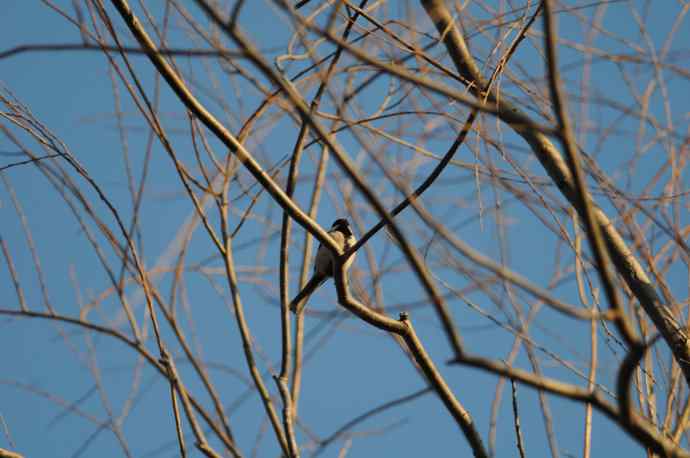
x=551 y=159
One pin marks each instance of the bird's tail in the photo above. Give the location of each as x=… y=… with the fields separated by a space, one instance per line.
x=298 y=303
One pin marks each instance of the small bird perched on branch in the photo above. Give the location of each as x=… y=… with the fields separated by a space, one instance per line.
x=342 y=235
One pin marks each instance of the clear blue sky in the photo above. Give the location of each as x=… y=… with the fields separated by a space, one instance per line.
x=46 y=365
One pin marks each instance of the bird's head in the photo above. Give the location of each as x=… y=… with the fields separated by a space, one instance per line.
x=342 y=225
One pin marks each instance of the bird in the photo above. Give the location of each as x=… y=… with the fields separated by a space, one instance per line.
x=342 y=235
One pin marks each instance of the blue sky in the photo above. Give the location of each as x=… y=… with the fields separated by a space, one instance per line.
x=354 y=367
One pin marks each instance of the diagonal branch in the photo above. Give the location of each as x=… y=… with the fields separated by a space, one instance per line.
x=230 y=141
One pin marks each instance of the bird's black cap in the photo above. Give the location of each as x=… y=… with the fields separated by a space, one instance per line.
x=342 y=225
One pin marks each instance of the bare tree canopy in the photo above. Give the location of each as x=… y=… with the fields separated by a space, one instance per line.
x=497 y=191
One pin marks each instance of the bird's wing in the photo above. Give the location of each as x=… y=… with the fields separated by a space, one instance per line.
x=323 y=264
x=323 y=268
x=300 y=300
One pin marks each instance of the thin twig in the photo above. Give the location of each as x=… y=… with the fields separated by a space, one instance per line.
x=323 y=444
x=516 y=420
